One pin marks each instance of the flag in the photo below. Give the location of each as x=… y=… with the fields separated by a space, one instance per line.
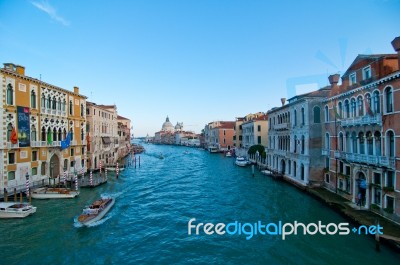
x=337 y=115
x=13 y=136
x=49 y=138
x=66 y=142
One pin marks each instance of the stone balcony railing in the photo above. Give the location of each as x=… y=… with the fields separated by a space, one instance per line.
x=365 y=120
x=281 y=126
x=12 y=146
x=367 y=159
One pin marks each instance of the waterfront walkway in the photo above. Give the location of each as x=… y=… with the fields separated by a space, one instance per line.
x=391 y=230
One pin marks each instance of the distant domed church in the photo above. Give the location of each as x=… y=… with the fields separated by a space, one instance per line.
x=167 y=126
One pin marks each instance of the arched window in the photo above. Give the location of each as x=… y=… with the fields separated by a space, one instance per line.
x=354 y=142
x=59 y=135
x=82 y=135
x=378 y=146
x=341 y=143
x=10 y=94
x=33 y=99
x=72 y=134
x=376 y=102
x=59 y=104
x=54 y=105
x=303 y=143
x=295 y=118
x=362 y=142
x=43 y=134
x=360 y=106
x=327 y=142
x=64 y=105
x=347 y=108
x=368 y=104
x=295 y=144
x=33 y=133
x=82 y=111
x=54 y=134
x=370 y=143
x=353 y=107
x=64 y=134
x=326 y=114
x=49 y=102
x=340 y=109
x=9 y=131
x=348 y=142
x=390 y=144
x=303 y=118
x=70 y=107
x=389 y=99
x=43 y=103
x=302 y=172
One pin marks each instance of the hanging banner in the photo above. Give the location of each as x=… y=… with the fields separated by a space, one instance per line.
x=23 y=126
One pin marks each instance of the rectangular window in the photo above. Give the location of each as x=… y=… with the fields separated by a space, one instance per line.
x=34 y=155
x=341 y=167
x=11 y=175
x=34 y=171
x=352 y=78
x=367 y=72
x=11 y=158
x=377 y=196
x=240 y=138
x=259 y=128
x=377 y=178
x=348 y=183
x=390 y=179
x=72 y=151
x=347 y=171
x=259 y=139
x=341 y=184
x=327 y=178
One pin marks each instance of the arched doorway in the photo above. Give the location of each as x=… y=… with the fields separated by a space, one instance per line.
x=54 y=166
x=283 y=167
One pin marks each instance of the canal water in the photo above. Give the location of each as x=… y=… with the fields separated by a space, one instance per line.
x=154 y=203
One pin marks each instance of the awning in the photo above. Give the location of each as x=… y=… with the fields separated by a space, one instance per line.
x=106 y=140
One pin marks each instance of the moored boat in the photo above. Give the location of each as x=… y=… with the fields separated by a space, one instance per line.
x=241 y=162
x=115 y=169
x=96 y=211
x=15 y=210
x=228 y=154
x=54 y=193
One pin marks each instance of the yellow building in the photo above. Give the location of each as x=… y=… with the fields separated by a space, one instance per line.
x=36 y=119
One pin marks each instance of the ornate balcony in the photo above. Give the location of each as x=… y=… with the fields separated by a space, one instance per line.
x=281 y=126
x=12 y=146
x=369 y=159
x=365 y=120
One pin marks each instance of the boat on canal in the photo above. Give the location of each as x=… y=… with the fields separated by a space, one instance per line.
x=96 y=211
x=54 y=193
x=16 y=210
x=112 y=168
x=241 y=162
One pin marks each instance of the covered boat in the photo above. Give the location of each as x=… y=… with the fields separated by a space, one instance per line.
x=241 y=162
x=96 y=210
x=15 y=210
x=54 y=193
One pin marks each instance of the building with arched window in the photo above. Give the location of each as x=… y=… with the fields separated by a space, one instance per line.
x=35 y=117
x=363 y=146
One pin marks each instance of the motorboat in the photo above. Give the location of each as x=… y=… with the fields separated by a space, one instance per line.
x=213 y=149
x=16 y=210
x=96 y=211
x=228 y=154
x=54 y=193
x=266 y=172
x=241 y=161
x=114 y=168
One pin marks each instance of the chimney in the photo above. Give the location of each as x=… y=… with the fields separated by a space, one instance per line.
x=334 y=80
x=283 y=100
x=20 y=69
x=76 y=90
x=396 y=47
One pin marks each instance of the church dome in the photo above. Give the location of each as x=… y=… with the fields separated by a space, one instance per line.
x=167 y=126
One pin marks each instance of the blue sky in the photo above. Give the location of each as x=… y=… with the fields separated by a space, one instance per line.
x=196 y=61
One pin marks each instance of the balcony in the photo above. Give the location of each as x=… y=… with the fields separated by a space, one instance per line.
x=280 y=152
x=282 y=126
x=35 y=143
x=53 y=111
x=325 y=152
x=365 y=120
x=369 y=159
x=337 y=154
x=12 y=146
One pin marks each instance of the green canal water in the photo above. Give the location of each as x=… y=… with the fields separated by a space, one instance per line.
x=154 y=203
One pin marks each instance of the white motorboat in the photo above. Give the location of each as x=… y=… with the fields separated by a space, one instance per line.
x=241 y=162
x=96 y=211
x=213 y=149
x=266 y=172
x=54 y=193
x=228 y=154
x=115 y=169
x=15 y=210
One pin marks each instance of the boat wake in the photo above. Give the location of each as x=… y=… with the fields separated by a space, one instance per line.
x=101 y=221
